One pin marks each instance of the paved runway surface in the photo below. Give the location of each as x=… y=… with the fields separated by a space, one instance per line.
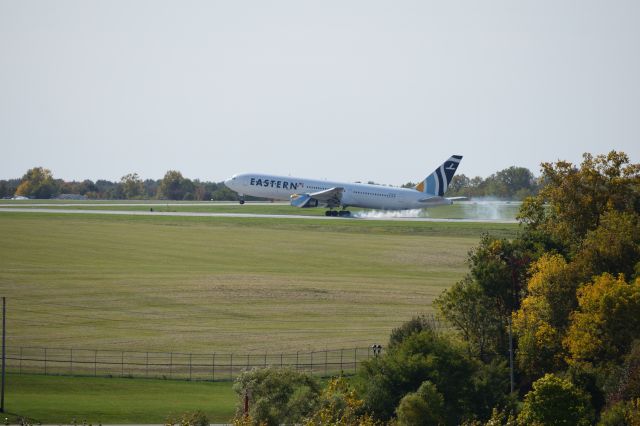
x=241 y=215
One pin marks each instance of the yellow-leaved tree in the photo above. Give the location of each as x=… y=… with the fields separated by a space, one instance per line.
x=543 y=316
x=606 y=322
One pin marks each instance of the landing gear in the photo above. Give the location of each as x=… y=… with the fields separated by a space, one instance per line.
x=241 y=200
x=341 y=213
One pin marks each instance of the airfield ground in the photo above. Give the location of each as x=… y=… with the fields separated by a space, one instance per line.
x=204 y=285
x=193 y=284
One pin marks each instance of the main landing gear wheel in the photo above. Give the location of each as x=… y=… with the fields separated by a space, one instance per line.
x=341 y=213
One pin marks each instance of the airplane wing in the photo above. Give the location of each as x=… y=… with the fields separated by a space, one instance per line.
x=439 y=201
x=330 y=197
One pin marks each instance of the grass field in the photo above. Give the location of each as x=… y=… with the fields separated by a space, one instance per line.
x=60 y=400
x=222 y=284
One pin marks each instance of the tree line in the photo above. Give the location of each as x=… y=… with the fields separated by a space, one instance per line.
x=39 y=183
x=561 y=299
x=513 y=183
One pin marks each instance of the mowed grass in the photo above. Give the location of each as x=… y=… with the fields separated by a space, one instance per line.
x=60 y=400
x=222 y=284
x=491 y=210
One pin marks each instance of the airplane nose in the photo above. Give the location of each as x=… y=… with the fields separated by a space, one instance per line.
x=229 y=183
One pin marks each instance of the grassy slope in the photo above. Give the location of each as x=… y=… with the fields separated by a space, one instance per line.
x=58 y=400
x=203 y=285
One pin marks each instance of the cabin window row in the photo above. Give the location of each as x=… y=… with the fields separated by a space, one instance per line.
x=375 y=194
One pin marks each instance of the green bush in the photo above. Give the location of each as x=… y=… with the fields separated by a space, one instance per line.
x=555 y=401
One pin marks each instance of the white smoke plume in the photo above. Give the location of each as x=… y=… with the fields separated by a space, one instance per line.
x=389 y=214
x=487 y=208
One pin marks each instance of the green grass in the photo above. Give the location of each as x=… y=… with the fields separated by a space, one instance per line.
x=194 y=284
x=58 y=400
x=222 y=284
x=458 y=210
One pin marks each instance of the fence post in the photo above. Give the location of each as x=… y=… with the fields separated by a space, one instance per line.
x=20 y=365
x=326 y=362
x=146 y=373
x=45 y=361
x=170 y=364
x=355 y=359
x=95 y=362
x=341 y=361
x=247 y=362
x=71 y=363
x=265 y=360
x=122 y=364
x=190 y=366
x=213 y=367
x=297 y=360
x=311 y=362
x=281 y=361
x=231 y=367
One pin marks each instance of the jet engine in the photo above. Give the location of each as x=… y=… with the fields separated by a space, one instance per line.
x=303 y=201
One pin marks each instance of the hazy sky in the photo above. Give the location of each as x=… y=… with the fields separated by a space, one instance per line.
x=347 y=90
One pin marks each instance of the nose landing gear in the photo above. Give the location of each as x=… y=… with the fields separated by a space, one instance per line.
x=241 y=200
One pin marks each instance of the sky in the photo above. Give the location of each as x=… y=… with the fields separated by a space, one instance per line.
x=343 y=90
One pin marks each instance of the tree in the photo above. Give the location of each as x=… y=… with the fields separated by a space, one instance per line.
x=613 y=247
x=500 y=267
x=459 y=185
x=543 y=317
x=606 y=322
x=572 y=200
x=516 y=180
x=555 y=401
x=8 y=187
x=423 y=407
x=277 y=395
x=175 y=187
x=624 y=413
x=132 y=186
x=408 y=328
x=38 y=183
x=150 y=188
x=339 y=405
x=467 y=308
x=422 y=356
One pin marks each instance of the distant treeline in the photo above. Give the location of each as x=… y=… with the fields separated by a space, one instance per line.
x=513 y=183
x=40 y=183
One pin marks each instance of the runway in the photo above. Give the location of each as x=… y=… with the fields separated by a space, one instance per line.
x=245 y=215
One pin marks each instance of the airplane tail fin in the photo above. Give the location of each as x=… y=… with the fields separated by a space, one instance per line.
x=438 y=181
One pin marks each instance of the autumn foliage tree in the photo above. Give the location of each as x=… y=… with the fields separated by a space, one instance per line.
x=573 y=200
x=38 y=182
x=543 y=317
x=607 y=320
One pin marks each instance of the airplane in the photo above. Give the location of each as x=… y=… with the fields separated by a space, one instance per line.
x=307 y=193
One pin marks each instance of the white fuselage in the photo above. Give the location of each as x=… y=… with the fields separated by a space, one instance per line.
x=355 y=194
